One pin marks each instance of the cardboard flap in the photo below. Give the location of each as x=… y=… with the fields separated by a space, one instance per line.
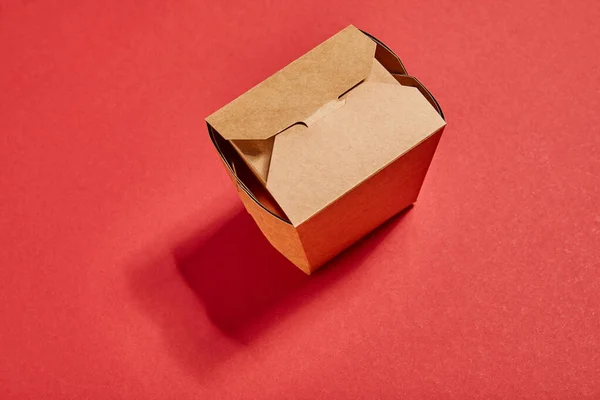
x=298 y=90
x=313 y=166
x=257 y=153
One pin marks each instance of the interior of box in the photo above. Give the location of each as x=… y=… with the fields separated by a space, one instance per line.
x=246 y=179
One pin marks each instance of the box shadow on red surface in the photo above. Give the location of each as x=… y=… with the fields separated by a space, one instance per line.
x=246 y=285
x=243 y=284
x=237 y=275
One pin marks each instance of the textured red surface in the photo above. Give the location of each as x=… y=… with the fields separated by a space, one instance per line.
x=129 y=269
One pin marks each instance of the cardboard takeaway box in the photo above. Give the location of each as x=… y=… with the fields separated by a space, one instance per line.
x=330 y=147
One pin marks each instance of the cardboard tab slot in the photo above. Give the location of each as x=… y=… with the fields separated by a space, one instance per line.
x=347 y=91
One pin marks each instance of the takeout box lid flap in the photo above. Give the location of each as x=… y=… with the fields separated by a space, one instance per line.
x=297 y=91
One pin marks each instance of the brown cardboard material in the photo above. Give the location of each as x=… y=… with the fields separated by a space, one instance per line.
x=331 y=146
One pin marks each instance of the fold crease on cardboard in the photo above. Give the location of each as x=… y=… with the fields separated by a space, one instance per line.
x=321 y=130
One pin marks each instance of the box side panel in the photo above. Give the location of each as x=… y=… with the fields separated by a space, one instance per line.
x=281 y=235
x=264 y=210
x=367 y=206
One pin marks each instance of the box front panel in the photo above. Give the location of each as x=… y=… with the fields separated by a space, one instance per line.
x=368 y=205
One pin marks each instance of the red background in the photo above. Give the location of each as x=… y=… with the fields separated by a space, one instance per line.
x=129 y=269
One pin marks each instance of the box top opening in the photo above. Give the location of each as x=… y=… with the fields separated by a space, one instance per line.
x=325 y=123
